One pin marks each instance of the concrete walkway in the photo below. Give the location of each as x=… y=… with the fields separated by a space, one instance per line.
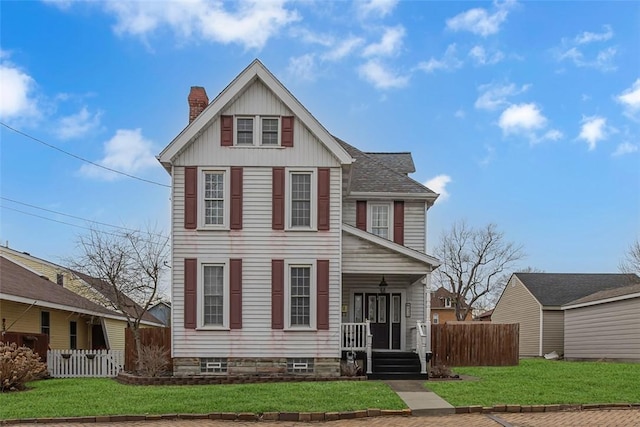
x=420 y=400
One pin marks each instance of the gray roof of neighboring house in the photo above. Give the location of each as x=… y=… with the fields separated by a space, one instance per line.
x=556 y=289
x=609 y=293
x=21 y=282
x=399 y=162
x=372 y=175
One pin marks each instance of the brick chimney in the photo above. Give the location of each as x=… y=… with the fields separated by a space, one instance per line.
x=198 y=101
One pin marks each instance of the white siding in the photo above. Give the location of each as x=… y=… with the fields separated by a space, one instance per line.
x=360 y=256
x=256 y=100
x=517 y=305
x=552 y=331
x=414 y=222
x=609 y=330
x=256 y=244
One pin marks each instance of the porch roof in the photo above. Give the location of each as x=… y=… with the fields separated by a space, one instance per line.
x=364 y=252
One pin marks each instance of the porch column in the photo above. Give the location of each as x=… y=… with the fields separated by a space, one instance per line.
x=427 y=309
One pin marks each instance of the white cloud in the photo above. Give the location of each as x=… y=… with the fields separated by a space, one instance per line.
x=527 y=120
x=449 y=61
x=480 y=21
x=552 y=135
x=307 y=36
x=625 y=148
x=380 y=76
x=78 y=125
x=379 y=8
x=389 y=44
x=588 y=37
x=439 y=185
x=128 y=151
x=250 y=23
x=481 y=57
x=343 y=49
x=494 y=96
x=630 y=99
x=460 y=114
x=16 y=92
x=593 y=130
x=303 y=67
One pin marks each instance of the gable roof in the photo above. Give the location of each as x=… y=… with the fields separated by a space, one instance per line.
x=615 y=294
x=372 y=175
x=438 y=299
x=255 y=70
x=399 y=162
x=23 y=285
x=556 y=289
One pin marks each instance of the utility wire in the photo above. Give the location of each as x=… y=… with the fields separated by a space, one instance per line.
x=74 y=217
x=81 y=158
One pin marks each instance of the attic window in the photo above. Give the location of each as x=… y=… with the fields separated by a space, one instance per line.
x=257 y=131
x=447 y=302
x=60 y=279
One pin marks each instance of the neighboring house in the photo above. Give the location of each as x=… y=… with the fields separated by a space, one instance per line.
x=32 y=304
x=162 y=312
x=443 y=307
x=484 y=316
x=283 y=234
x=535 y=300
x=95 y=290
x=605 y=324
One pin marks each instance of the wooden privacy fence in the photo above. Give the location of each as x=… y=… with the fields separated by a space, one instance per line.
x=149 y=336
x=39 y=343
x=474 y=344
x=84 y=363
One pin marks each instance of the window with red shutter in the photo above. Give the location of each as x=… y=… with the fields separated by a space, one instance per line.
x=226 y=131
x=323 y=294
x=190 y=197
x=236 y=198
x=277 y=202
x=190 y=292
x=287 y=131
x=324 y=198
x=361 y=214
x=235 y=294
x=398 y=222
x=277 y=294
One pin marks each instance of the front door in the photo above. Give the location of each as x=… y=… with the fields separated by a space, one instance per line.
x=377 y=310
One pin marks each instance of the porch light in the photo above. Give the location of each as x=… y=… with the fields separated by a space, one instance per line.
x=383 y=286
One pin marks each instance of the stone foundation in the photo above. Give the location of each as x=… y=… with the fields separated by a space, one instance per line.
x=324 y=367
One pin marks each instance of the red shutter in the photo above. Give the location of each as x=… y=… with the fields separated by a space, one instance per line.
x=323 y=294
x=361 y=215
x=236 y=198
x=324 y=207
x=398 y=222
x=286 y=131
x=277 y=214
x=277 y=294
x=190 y=197
x=235 y=294
x=190 y=292
x=226 y=131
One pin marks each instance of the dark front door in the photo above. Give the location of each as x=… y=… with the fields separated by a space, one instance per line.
x=376 y=307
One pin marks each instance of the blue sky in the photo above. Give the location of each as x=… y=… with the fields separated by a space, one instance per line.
x=525 y=114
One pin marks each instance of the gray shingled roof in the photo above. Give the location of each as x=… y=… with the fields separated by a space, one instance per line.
x=399 y=162
x=20 y=282
x=609 y=293
x=556 y=289
x=370 y=175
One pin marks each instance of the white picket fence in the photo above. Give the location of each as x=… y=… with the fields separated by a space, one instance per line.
x=84 y=363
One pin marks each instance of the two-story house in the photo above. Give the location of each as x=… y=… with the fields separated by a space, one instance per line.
x=290 y=246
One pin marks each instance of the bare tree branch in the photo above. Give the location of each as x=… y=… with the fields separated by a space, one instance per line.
x=631 y=261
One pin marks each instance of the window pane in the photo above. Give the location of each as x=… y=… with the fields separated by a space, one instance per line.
x=269 y=131
x=396 y=309
x=214 y=198
x=300 y=200
x=300 y=296
x=245 y=131
x=380 y=220
x=382 y=309
x=213 y=292
x=371 y=310
x=357 y=313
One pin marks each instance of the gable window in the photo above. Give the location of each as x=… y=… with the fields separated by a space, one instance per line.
x=380 y=220
x=213 y=295
x=245 y=131
x=60 y=279
x=45 y=323
x=447 y=302
x=257 y=131
x=214 y=190
x=436 y=318
x=300 y=187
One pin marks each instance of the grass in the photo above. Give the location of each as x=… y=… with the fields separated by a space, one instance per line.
x=542 y=382
x=93 y=396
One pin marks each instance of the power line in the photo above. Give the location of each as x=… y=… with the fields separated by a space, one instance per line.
x=81 y=158
x=73 y=216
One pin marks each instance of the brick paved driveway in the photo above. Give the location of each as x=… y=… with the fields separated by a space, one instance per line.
x=588 y=418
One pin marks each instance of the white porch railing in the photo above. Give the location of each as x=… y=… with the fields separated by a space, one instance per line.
x=357 y=337
x=84 y=363
x=421 y=345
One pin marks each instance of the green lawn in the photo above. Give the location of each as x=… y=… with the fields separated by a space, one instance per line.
x=540 y=381
x=92 y=396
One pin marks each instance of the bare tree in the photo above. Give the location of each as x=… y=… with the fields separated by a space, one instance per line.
x=130 y=265
x=473 y=263
x=631 y=261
